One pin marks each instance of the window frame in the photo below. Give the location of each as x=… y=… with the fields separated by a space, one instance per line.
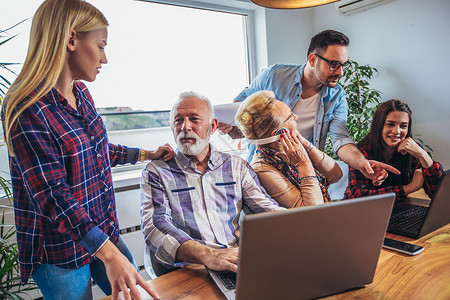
x=218 y=6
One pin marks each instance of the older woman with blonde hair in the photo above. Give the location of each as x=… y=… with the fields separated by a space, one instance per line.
x=290 y=168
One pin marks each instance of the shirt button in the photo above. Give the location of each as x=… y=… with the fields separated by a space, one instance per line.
x=106 y=189
x=102 y=172
x=92 y=137
x=99 y=155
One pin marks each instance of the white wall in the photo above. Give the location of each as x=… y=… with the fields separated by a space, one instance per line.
x=406 y=40
x=288 y=35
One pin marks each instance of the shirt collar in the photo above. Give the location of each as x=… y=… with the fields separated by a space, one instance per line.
x=214 y=160
x=54 y=97
x=299 y=75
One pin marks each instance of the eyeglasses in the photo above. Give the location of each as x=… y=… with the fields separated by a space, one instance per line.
x=334 y=64
x=291 y=116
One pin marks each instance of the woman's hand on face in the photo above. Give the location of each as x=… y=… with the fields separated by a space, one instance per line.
x=410 y=146
x=302 y=140
x=292 y=150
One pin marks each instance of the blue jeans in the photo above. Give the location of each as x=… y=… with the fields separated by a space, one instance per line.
x=57 y=283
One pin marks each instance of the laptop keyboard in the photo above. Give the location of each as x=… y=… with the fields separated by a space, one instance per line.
x=409 y=217
x=228 y=278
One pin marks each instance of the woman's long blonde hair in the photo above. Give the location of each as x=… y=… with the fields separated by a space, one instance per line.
x=50 y=31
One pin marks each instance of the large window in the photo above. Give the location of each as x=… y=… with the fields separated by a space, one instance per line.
x=156 y=51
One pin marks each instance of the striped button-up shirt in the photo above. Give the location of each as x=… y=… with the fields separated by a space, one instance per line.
x=62 y=186
x=179 y=203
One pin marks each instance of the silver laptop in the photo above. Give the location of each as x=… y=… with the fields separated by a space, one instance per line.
x=416 y=221
x=310 y=252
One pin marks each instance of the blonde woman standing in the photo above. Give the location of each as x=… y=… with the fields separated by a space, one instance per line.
x=60 y=160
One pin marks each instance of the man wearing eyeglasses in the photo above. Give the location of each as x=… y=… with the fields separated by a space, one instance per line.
x=312 y=92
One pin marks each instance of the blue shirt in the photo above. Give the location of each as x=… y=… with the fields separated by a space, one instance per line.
x=179 y=203
x=332 y=109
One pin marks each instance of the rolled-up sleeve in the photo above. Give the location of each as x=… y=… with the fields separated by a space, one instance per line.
x=94 y=240
x=338 y=126
x=119 y=154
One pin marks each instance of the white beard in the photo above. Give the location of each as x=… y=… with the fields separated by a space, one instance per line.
x=197 y=147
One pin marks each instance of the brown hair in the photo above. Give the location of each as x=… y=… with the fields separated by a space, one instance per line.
x=320 y=42
x=374 y=138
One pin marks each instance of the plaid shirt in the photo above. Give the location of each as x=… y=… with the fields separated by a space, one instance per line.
x=62 y=185
x=179 y=203
x=359 y=185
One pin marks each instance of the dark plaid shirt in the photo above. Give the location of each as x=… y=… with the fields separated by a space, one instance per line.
x=62 y=185
x=359 y=185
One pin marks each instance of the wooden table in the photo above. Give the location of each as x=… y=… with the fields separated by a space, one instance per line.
x=398 y=276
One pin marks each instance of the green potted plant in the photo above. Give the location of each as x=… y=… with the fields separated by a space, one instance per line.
x=362 y=101
x=10 y=282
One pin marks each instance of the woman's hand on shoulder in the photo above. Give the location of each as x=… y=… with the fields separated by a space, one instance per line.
x=165 y=152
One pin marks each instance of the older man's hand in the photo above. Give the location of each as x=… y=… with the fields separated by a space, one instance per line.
x=223 y=259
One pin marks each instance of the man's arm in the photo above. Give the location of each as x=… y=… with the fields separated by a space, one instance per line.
x=371 y=169
x=215 y=259
x=233 y=131
x=360 y=186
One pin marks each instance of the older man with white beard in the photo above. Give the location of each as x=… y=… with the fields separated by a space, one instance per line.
x=191 y=204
